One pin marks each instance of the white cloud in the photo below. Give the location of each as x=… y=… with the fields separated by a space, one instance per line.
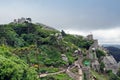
x=107 y=36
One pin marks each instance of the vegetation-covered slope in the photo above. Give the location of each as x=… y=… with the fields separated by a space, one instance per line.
x=13 y=68
x=39 y=47
x=29 y=51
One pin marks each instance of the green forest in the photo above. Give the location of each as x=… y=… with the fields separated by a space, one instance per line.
x=29 y=50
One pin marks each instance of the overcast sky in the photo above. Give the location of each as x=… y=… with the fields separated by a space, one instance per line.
x=99 y=17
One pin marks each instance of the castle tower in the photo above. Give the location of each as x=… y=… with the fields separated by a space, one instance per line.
x=95 y=44
x=15 y=21
x=90 y=37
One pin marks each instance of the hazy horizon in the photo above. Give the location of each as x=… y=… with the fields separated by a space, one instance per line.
x=98 y=17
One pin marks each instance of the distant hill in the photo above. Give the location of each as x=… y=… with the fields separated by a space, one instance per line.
x=113 y=45
x=115 y=51
x=118 y=46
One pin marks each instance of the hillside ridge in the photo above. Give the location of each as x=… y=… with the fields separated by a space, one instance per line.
x=55 y=54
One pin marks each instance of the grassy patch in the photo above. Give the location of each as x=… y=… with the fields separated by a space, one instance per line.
x=48 y=70
x=62 y=76
x=99 y=76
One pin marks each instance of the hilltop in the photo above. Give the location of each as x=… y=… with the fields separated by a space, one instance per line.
x=52 y=54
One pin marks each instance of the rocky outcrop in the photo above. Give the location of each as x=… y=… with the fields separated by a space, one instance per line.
x=64 y=57
x=110 y=64
x=59 y=36
x=95 y=65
